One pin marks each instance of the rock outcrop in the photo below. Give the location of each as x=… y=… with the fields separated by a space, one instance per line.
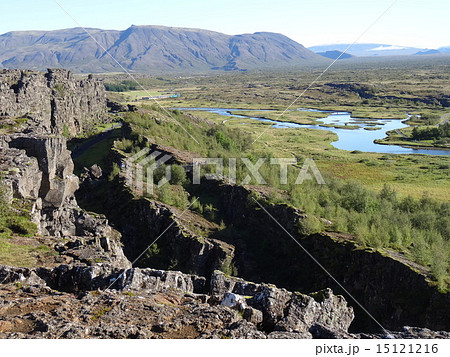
x=268 y=312
x=187 y=250
x=40 y=169
x=280 y=310
x=37 y=168
x=185 y=245
x=64 y=302
x=53 y=103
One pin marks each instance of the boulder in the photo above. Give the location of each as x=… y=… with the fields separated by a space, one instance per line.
x=281 y=310
x=322 y=308
x=23 y=276
x=95 y=171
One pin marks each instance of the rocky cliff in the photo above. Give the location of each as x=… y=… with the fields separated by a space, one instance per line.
x=251 y=246
x=37 y=168
x=393 y=290
x=55 y=102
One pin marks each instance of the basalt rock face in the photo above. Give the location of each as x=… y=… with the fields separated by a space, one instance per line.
x=44 y=174
x=395 y=293
x=37 y=167
x=174 y=305
x=180 y=245
x=168 y=237
x=54 y=103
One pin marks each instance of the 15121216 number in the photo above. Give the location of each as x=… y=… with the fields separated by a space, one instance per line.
x=407 y=348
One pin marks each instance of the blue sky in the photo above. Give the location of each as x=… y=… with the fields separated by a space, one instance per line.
x=418 y=23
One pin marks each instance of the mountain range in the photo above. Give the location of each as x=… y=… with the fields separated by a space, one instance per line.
x=149 y=49
x=376 y=49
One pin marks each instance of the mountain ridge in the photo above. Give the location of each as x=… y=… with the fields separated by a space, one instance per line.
x=149 y=48
x=372 y=49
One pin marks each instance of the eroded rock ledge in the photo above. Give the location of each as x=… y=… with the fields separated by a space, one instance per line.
x=65 y=302
x=259 y=311
x=55 y=102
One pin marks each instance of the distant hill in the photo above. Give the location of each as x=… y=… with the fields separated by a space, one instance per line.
x=335 y=54
x=368 y=49
x=427 y=52
x=150 y=49
x=444 y=49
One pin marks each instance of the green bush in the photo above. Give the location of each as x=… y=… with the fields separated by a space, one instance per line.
x=115 y=171
x=178 y=175
x=123 y=86
x=125 y=145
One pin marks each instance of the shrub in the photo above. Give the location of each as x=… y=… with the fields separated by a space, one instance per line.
x=310 y=225
x=115 y=171
x=124 y=145
x=178 y=176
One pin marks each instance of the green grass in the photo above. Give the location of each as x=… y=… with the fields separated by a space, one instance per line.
x=97 y=153
x=16 y=228
x=12 y=126
x=298 y=117
x=99 y=313
x=15 y=253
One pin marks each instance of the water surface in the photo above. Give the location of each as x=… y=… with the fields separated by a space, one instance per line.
x=349 y=139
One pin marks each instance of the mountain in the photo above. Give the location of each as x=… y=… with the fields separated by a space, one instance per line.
x=149 y=48
x=444 y=49
x=335 y=54
x=427 y=52
x=368 y=49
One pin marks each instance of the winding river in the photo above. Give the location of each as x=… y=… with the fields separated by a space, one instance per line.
x=348 y=139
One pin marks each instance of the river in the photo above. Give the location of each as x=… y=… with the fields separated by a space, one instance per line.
x=348 y=139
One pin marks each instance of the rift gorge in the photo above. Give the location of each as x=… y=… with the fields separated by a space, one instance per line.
x=220 y=186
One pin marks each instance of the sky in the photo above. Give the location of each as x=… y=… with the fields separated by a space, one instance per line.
x=415 y=23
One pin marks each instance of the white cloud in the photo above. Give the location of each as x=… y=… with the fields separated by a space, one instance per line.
x=388 y=48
